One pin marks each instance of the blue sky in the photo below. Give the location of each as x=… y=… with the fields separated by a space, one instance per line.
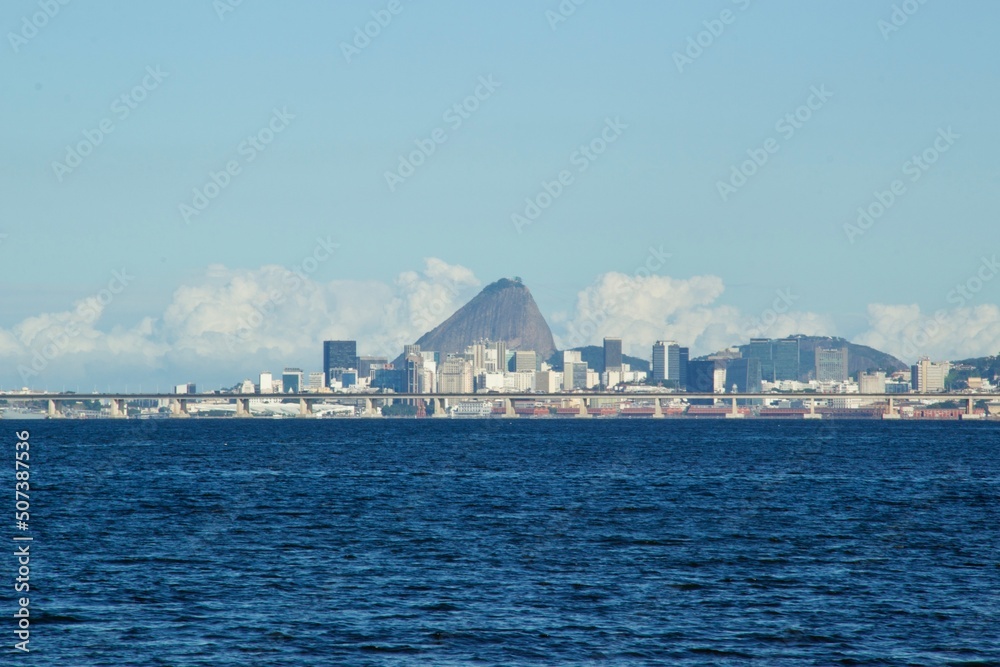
x=345 y=122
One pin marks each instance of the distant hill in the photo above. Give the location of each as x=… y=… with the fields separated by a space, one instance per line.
x=594 y=356
x=502 y=311
x=984 y=367
x=859 y=357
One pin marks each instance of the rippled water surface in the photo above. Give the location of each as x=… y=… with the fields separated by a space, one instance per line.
x=513 y=542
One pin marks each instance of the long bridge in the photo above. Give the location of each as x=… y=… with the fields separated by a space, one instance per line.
x=583 y=402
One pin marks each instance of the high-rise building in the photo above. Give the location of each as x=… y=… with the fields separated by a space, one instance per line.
x=341 y=354
x=291 y=380
x=667 y=367
x=414 y=367
x=786 y=359
x=317 y=381
x=927 y=376
x=476 y=353
x=612 y=354
x=706 y=376
x=265 y=384
x=501 y=350
x=525 y=360
x=574 y=370
x=389 y=378
x=871 y=383
x=743 y=375
x=455 y=376
x=366 y=365
x=762 y=350
x=659 y=367
x=831 y=365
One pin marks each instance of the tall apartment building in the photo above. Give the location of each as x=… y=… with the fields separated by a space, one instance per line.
x=831 y=365
x=927 y=376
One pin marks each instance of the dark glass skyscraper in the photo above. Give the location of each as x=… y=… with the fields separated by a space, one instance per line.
x=786 y=359
x=612 y=354
x=339 y=354
x=743 y=375
x=659 y=368
x=762 y=350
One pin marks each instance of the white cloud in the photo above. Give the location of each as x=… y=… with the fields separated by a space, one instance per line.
x=645 y=309
x=959 y=333
x=232 y=323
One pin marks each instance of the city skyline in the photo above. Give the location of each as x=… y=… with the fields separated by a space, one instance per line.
x=177 y=213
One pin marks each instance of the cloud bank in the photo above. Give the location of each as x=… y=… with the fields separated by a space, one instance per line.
x=231 y=323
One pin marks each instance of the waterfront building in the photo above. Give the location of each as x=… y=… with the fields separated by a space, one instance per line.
x=831 y=364
x=927 y=376
x=871 y=383
x=339 y=354
x=455 y=376
x=291 y=380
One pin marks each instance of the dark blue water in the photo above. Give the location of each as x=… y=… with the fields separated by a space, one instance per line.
x=351 y=542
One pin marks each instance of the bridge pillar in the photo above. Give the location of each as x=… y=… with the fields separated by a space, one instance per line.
x=178 y=408
x=657 y=408
x=970 y=410
x=54 y=409
x=118 y=409
x=735 y=413
x=508 y=409
x=370 y=410
x=584 y=413
x=243 y=407
x=812 y=414
x=440 y=411
x=306 y=408
x=891 y=412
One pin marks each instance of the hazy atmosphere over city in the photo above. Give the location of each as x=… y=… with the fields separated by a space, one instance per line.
x=194 y=191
